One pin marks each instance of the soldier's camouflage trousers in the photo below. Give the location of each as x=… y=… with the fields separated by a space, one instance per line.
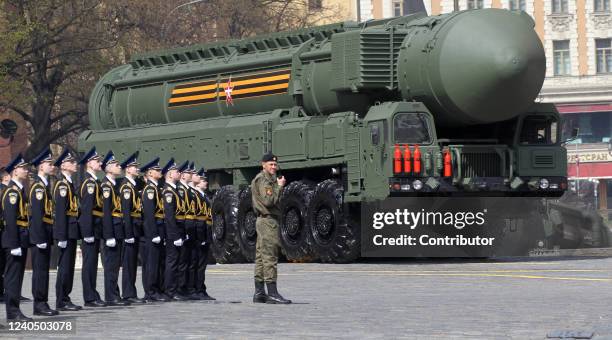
x=266 y=250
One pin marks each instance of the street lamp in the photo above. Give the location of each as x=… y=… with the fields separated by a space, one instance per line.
x=163 y=29
x=8 y=128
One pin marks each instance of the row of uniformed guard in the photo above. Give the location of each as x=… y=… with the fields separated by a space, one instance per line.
x=168 y=226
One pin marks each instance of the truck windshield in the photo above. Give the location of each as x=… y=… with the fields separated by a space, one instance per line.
x=539 y=130
x=410 y=128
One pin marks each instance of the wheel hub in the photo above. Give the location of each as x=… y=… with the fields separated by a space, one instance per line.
x=293 y=224
x=249 y=232
x=324 y=224
x=218 y=228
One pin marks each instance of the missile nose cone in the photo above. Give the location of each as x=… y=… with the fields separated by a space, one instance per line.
x=511 y=64
x=491 y=65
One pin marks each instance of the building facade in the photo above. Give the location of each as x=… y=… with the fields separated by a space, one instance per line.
x=577 y=37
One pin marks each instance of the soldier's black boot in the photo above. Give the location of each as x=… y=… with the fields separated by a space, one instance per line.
x=260 y=293
x=274 y=296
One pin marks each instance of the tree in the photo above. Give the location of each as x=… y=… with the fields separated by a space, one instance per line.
x=54 y=49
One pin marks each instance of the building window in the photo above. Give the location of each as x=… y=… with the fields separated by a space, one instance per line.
x=603 y=51
x=593 y=127
x=475 y=4
x=315 y=4
x=559 y=6
x=397 y=8
x=517 y=5
x=602 y=6
x=561 y=57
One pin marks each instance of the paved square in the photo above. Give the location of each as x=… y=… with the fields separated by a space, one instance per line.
x=409 y=299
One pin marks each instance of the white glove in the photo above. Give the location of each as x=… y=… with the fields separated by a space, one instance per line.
x=62 y=244
x=111 y=242
x=204 y=243
x=178 y=242
x=156 y=240
x=16 y=252
x=41 y=245
x=129 y=240
x=186 y=237
x=89 y=239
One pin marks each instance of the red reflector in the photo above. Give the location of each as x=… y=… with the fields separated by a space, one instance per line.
x=396 y=186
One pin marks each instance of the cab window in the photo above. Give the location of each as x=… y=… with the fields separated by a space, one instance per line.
x=539 y=130
x=411 y=128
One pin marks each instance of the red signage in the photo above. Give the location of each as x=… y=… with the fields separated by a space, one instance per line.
x=589 y=170
x=584 y=108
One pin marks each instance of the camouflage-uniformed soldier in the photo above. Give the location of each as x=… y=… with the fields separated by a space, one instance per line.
x=41 y=232
x=65 y=230
x=199 y=184
x=15 y=238
x=5 y=179
x=154 y=233
x=188 y=264
x=112 y=231
x=131 y=210
x=174 y=217
x=266 y=189
x=90 y=225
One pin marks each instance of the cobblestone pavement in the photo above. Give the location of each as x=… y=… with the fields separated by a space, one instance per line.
x=410 y=299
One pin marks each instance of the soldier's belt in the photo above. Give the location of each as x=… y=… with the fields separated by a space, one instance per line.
x=73 y=214
x=159 y=216
x=119 y=215
x=190 y=217
x=180 y=217
x=202 y=218
x=48 y=220
x=97 y=213
x=23 y=224
x=135 y=214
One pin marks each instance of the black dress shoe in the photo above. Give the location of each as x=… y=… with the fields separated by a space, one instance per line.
x=178 y=297
x=194 y=296
x=135 y=300
x=96 y=303
x=20 y=317
x=69 y=307
x=23 y=298
x=117 y=303
x=205 y=296
x=45 y=312
x=161 y=298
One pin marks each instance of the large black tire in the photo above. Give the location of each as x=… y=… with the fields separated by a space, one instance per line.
x=335 y=235
x=225 y=246
x=295 y=236
x=519 y=236
x=247 y=235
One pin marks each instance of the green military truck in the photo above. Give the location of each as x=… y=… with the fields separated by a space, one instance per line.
x=356 y=112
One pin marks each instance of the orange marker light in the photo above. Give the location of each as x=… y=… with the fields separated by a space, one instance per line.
x=417 y=160
x=447 y=163
x=406 y=158
x=397 y=160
